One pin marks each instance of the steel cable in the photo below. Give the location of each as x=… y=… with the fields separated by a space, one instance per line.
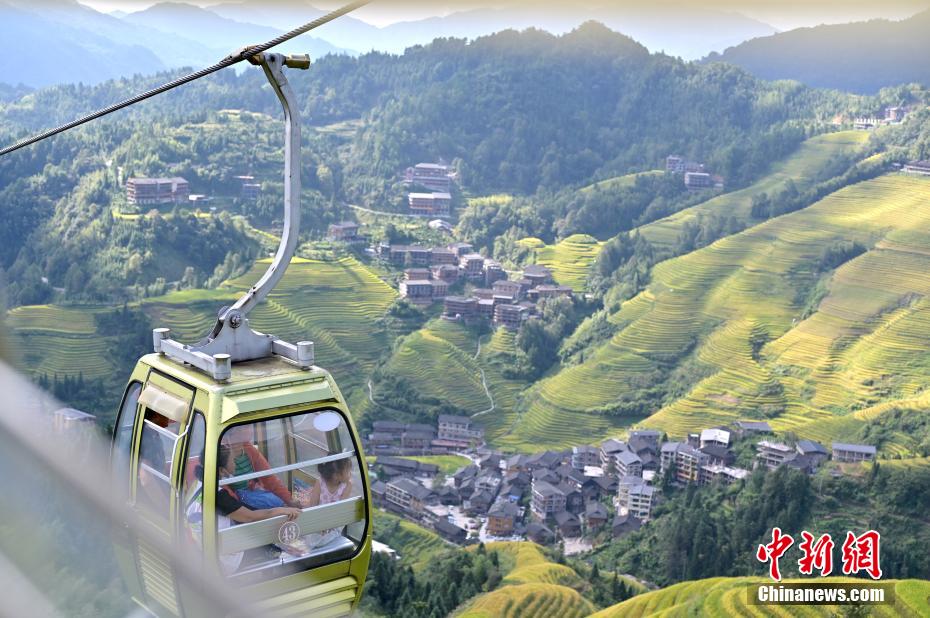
x=228 y=61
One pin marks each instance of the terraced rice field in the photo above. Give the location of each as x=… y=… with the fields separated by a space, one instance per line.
x=619 y=182
x=724 y=597
x=336 y=304
x=570 y=259
x=48 y=339
x=866 y=342
x=415 y=545
x=801 y=168
x=533 y=586
x=444 y=361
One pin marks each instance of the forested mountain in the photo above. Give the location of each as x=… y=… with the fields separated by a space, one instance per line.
x=858 y=57
x=527 y=113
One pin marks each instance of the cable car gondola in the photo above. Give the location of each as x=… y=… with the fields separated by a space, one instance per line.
x=241 y=451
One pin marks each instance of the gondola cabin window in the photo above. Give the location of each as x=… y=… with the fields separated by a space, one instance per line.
x=156 y=452
x=290 y=495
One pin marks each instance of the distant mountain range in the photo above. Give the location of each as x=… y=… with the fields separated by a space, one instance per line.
x=859 y=57
x=68 y=42
x=687 y=31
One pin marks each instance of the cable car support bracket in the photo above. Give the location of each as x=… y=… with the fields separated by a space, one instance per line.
x=231 y=339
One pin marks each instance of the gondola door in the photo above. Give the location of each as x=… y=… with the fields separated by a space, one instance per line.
x=163 y=420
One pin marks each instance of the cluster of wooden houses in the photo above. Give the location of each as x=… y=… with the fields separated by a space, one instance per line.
x=588 y=490
x=451 y=433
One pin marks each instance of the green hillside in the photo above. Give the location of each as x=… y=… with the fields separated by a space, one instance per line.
x=618 y=182
x=533 y=586
x=415 y=545
x=723 y=302
x=725 y=597
x=803 y=168
x=570 y=259
x=444 y=362
x=336 y=304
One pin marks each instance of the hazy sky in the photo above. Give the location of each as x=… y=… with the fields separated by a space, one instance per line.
x=782 y=14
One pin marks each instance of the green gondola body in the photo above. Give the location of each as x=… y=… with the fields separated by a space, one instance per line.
x=171 y=424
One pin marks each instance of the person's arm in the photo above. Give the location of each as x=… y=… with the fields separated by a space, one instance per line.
x=245 y=515
x=347 y=491
x=229 y=505
x=271 y=482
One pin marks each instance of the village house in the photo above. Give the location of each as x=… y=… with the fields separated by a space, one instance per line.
x=718 y=455
x=443 y=255
x=378 y=493
x=157 y=190
x=774 y=454
x=407 y=496
x=418 y=291
x=686 y=459
x=568 y=524
x=724 y=475
x=510 y=289
x=460 y=307
x=445 y=272
x=542 y=292
x=675 y=164
x=628 y=464
x=547 y=499
x=346 y=231
x=510 y=317
x=745 y=428
x=595 y=515
x=537 y=274
x=608 y=450
x=717 y=436
x=472 y=265
x=585 y=455
x=624 y=524
x=429 y=203
x=539 y=533
x=451 y=532
x=493 y=271
x=637 y=500
x=852 y=453
x=816 y=451
x=502 y=517
x=574 y=498
x=432 y=176
x=458 y=429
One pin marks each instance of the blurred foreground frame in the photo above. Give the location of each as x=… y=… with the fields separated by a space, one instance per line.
x=62 y=513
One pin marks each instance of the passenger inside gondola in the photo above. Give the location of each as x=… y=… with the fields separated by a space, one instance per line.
x=261 y=493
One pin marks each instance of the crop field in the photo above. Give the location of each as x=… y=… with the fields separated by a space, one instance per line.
x=444 y=361
x=725 y=597
x=63 y=341
x=570 y=259
x=448 y=464
x=532 y=586
x=415 y=545
x=801 y=167
x=619 y=182
x=336 y=304
x=862 y=346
